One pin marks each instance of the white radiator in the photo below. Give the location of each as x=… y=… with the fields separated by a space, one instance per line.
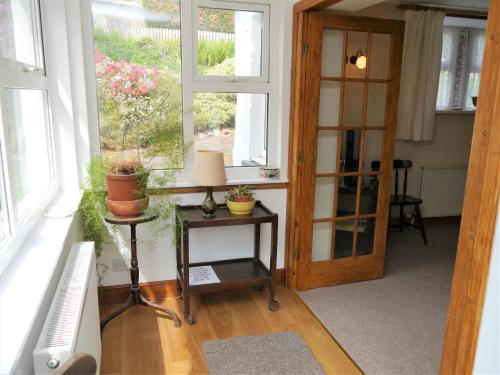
x=442 y=190
x=72 y=324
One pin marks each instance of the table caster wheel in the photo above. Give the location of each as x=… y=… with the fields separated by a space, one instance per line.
x=189 y=319
x=274 y=306
x=258 y=287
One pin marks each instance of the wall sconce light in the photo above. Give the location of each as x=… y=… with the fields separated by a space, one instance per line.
x=359 y=59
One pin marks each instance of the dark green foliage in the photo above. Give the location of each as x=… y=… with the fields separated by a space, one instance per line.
x=141 y=51
x=93 y=205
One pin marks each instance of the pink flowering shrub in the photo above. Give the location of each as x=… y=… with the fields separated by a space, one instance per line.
x=138 y=106
x=122 y=77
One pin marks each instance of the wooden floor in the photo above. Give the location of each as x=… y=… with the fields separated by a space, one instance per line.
x=142 y=341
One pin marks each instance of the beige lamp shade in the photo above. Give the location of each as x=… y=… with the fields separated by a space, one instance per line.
x=208 y=168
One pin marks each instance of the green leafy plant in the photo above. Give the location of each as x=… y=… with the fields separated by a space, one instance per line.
x=240 y=194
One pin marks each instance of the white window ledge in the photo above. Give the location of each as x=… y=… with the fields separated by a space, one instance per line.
x=455 y=112
x=28 y=279
x=245 y=181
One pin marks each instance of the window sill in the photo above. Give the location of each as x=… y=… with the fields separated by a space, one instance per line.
x=25 y=286
x=455 y=112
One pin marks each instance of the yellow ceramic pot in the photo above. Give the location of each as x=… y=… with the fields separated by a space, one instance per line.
x=241 y=208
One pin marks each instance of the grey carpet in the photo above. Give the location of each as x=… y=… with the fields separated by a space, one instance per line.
x=395 y=325
x=275 y=353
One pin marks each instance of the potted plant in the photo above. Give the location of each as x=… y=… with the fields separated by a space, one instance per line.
x=141 y=145
x=240 y=200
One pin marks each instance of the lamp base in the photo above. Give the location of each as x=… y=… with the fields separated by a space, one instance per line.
x=209 y=206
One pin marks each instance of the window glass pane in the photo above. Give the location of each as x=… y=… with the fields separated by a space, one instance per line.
x=323 y=197
x=229 y=42
x=138 y=72
x=329 y=103
x=332 y=59
x=326 y=154
x=4 y=224
x=366 y=234
x=357 y=42
x=349 y=154
x=346 y=198
x=369 y=195
x=372 y=148
x=379 y=55
x=235 y=124
x=27 y=145
x=353 y=103
x=344 y=235
x=19 y=31
x=375 y=112
x=322 y=239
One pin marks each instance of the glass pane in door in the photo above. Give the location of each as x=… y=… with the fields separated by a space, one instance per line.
x=366 y=233
x=344 y=235
x=326 y=154
x=357 y=42
x=353 y=104
x=321 y=243
x=369 y=195
x=329 y=103
x=372 y=149
x=375 y=112
x=346 y=198
x=349 y=154
x=323 y=197
x=333 y=45
x=380 y=50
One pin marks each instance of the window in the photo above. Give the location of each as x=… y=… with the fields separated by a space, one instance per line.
x=204 y=80
x=27 y=178
x=461 y=62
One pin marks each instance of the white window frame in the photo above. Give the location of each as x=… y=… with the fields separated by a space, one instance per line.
x=18 y=75
x=237 y=6
x=270 y=85
x=459 y=23
x=192 y=83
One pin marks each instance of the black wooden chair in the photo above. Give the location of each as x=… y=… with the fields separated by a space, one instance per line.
x=403 y=200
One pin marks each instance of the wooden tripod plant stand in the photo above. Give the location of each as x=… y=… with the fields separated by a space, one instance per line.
x=135 y=297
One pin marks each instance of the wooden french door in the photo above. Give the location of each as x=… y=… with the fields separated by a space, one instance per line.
x=345 y=147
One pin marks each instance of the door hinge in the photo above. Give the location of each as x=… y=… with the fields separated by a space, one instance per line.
x=305 y=48
x=300 y=156
x=296 y=254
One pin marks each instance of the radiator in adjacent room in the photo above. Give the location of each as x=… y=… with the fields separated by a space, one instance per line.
x=442 y=190
x=72 y=324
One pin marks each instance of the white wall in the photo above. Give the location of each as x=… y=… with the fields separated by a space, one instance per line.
x=487 y=359
x=450 y=147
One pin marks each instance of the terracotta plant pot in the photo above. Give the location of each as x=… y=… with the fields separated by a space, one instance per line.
x=122 y=187
x=127 y=208
x=243 y=198
x=122 y=195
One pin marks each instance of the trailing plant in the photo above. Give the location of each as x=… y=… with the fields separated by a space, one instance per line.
x=93 y=207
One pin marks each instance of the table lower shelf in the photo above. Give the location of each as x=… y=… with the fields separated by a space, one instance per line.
x=232 y=273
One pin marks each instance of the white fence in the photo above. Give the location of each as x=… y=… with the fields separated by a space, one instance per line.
x=162 y=34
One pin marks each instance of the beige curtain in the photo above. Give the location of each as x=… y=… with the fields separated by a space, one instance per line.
x=420 y=75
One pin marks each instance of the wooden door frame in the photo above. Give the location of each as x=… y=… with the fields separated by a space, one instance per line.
x=480 y=204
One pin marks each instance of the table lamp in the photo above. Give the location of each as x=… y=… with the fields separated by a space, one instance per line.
x=209 y=171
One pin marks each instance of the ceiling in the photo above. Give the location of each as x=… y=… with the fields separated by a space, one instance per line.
x=468 y=4
x=355 y=5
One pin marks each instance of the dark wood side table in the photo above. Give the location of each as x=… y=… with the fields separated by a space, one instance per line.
x=135 y=297
x=231 y=273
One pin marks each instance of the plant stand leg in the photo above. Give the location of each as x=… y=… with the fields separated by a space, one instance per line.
x=185 y=274
x=273 y=304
